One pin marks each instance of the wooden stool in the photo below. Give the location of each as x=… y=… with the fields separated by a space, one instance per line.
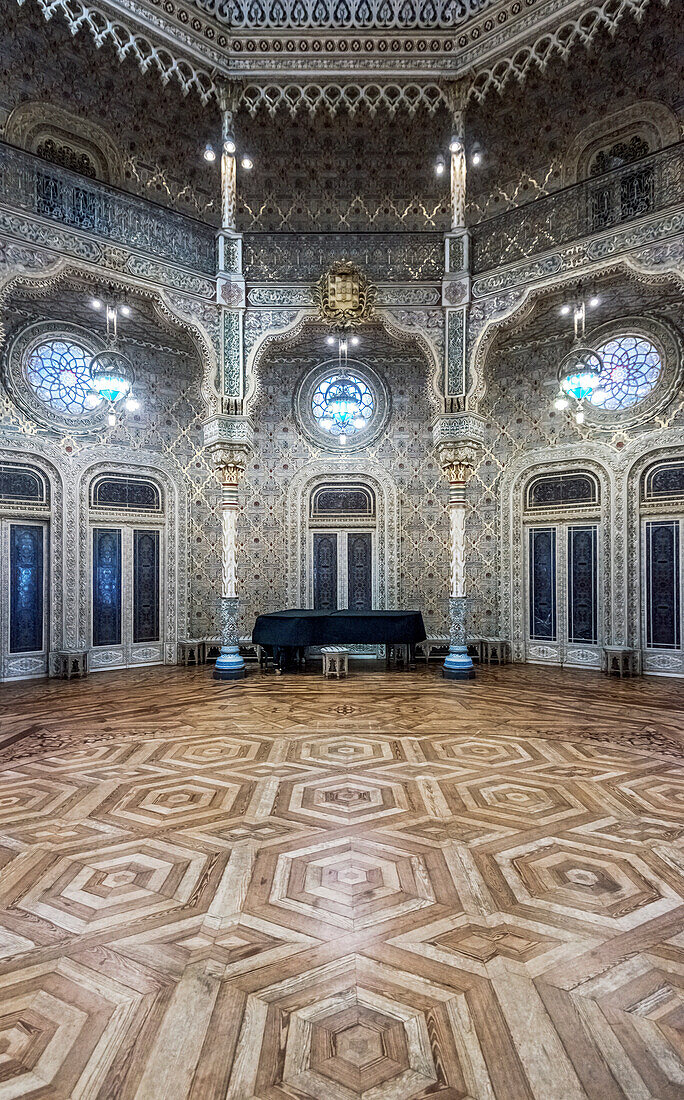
x=335 y=660
x=440 y=641
x=477 y=645
x=72 y=663
x=257 y=651
x=191 y=651
x=398 y=653
x=620 y=659
x=496 y=649
x=212 y=649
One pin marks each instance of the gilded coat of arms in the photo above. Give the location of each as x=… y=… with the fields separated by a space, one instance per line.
x=345 y=297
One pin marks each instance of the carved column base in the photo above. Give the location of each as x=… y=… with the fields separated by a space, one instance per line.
x=229 y=665
x=458 y=665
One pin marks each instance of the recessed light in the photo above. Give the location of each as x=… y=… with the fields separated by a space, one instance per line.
x=564 y=310
x=247 y=163
x=595 y=301
x=229 y=146
x=209 y=153
x=476 y=159
x=330 y=339
x=96 y=303
x=125 y=311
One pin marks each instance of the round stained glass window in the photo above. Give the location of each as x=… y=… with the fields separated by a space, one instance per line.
x=631 y=369
x=342 y=404
x=58 y=373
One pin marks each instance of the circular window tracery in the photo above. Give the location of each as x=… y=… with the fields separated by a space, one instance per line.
x=632 y=366
x=343 y=404
x=342 y=410
x=58 y=372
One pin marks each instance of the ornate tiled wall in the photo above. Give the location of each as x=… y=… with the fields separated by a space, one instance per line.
x=167 y=427
x=520 y=373
x=403 y=451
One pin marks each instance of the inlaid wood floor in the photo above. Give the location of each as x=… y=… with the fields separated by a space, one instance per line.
x=389 y=888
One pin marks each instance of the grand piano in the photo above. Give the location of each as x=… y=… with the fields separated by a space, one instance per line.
x=284 y=633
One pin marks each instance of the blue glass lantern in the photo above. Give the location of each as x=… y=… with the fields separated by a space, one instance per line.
x=111 y=374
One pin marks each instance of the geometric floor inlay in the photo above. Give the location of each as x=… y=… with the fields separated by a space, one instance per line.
x=391 y=888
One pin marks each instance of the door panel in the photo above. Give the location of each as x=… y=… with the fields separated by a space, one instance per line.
x=145 y=586
x=582 y=586
x=325 y=571
x=26 y=588
x=360 y=570
x=542 y=588
x=106 y=586
x=663 y=614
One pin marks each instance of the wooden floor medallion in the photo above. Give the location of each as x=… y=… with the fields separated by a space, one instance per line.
x=387 y=888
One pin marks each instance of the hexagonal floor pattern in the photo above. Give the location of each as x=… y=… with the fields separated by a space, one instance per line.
x=387 y=888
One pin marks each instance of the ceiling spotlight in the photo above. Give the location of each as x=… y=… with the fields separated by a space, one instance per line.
x=132 y=404
x=439 y=165
x=455 y=145
x=209 y=153
x=96 y=303
x=564 y=310
x=354 y=340
x=330 y=340
x=476 y=159
x=561 y=403
x=595 y=301
x=229 y=146
x=125 y=311
x=247 y=163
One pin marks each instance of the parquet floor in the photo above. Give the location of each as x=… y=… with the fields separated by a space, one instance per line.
x=386 y=889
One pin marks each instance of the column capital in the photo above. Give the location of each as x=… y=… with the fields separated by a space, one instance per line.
x=229 y=441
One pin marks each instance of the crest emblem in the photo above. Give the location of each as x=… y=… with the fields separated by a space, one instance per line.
x=345 y=297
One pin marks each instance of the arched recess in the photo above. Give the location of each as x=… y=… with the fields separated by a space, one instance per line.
x=492 y=316
x=61 y=586
x=32 y=125
x=265 y=329
x=172 y=308
x=303 y=486
x=175 y=531
x=652 y=122
x=596 y=460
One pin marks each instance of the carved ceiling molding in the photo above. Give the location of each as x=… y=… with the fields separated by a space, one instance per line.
x=405 y=74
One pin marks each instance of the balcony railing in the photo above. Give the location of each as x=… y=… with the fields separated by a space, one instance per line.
x=649 y=185
x=34 y=185
x=303 y=257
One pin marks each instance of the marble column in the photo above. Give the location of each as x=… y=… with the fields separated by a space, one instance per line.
x=230 y=665
x=457 y=465
x=228 y=441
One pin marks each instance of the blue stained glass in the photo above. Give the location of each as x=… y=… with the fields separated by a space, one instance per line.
x=631 y=369
x=106 y=586
x=542 y=578
x=340 y=414
x=58 y=372
x=26 y=588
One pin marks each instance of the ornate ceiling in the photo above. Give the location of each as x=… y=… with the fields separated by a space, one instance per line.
x=304 y=54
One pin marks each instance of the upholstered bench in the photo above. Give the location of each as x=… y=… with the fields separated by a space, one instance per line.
x=335 y=660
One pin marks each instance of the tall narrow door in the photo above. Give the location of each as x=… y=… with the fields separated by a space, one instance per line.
x=342 y=570
x=126 y=597
x=563 y=595
x=23 y=573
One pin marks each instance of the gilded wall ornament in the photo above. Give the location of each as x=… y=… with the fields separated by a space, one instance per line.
x=344 y=295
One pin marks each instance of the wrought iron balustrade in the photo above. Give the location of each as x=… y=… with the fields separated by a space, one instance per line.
x=36 y=186
x=649 y=185
x=303 y=257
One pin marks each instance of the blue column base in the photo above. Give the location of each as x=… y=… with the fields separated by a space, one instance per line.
x=230 y=665
x=458 y=665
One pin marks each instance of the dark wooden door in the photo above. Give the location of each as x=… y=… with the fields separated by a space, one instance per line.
x=360 y=571
x=325 y=570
